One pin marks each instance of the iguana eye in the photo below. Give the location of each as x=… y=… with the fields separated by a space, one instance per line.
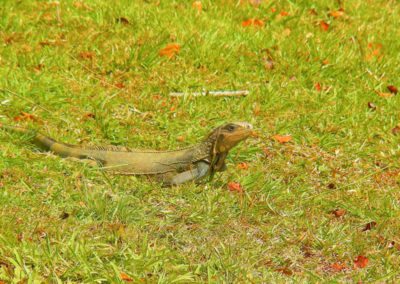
x=230 y=127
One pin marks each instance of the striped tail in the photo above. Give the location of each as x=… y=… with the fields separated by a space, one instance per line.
x=42 y=141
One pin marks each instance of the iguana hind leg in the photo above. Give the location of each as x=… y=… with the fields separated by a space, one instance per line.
x=199 y=171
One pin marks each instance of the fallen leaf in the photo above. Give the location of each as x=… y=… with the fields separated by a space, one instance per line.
x=243 y=166
x=339 y=212
x=273 y=10
x=170 y=50
x=125 y=277
x=122 y=20
x=338 y=267
x=119 y=85
x=369 y=226
x=325 y=62
x=396 y=130
x=235 y=187
x=253 y=22
x=312 y=12
x=331 y=186
x=324 y=25
x=180 y=138
x=336 y=14
x=24 y=116
x=385 y=95
x=282 y=138
x=38 y=68
x=89 y=115
x=64 y=215
x=86 y=55
x=284 y=13
x=284 y=270
x=317 y=86
x=360 y=262
x=392 y=89
x=371 y=106
x=197 y=5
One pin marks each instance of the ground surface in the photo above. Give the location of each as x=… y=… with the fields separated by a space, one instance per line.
x=322 y=207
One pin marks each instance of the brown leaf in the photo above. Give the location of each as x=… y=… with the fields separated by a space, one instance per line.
x=396 y=130
x=170 y=50
x=86 y=55
x=371 y=106
x=197 y=5
x=369 y=226
x=324 y=25
x=317 y=86
x=253 y=22
x=282 y=138
x=64 y=215
x=312 y=12
x=284 y=270
x=89 y=115
x=243 y=166
x=125 y=277
x=122 y=20
x=25 y=116
x=181 y=138
x=360 y=262
x=392 y=89
x=339 y=212
x=235 y=187
x=331 y=185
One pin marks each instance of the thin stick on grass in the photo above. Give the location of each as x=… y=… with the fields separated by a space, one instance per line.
x=212 y=93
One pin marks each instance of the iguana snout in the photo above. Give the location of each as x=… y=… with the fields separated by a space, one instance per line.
x=229 y=135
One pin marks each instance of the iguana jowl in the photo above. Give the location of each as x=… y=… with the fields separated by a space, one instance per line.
x=172 y=167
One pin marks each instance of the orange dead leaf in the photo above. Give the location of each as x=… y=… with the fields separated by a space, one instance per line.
x=119 y=85
x=273 y=10
x=360 y=262
x=125 y=277
x=180 y=138
x=392 y=89
x=317 y=86
x=170 y=50
x=336 y=14
x=282 y=138
x=86 y=55
x=284 y=13
x=253 y=22
x=197 y=5
x=24 y=116
x=338 y=267
x=385 y=95
x=396 y=130
x=324 y=25
x=339 y=212
x=243 y=166
x=235 y=187
x=89 y=115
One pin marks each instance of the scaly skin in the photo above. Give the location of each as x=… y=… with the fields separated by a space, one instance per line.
x=171 y=167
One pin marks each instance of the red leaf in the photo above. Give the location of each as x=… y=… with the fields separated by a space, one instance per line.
x=338 y=267
x=284 y=13
x=243 y=166
x=317 y=86
x=125 y=277
x=324 y=25
x=170 y=50
x=392 y=89
x=119 y=85
x=253 y=22
x=235 y=187
x=360 y=262
x=282 y=138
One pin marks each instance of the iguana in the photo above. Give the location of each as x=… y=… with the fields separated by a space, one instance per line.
x=172 y=167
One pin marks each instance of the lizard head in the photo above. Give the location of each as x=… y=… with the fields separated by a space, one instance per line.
x=229 y=135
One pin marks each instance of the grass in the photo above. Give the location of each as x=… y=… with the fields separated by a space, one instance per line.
x=63 y=221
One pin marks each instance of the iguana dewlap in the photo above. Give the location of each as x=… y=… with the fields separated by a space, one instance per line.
x=172 y=167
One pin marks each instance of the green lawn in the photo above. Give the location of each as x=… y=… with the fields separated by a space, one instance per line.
x=90 y=73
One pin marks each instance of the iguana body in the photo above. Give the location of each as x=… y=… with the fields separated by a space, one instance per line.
x=171 y=167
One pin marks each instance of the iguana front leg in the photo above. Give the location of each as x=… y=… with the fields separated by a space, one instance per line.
x=199 y=171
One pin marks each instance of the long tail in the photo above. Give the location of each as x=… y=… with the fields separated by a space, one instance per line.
x=46 y=143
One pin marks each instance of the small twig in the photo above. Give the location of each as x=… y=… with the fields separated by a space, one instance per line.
x=212 y=93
